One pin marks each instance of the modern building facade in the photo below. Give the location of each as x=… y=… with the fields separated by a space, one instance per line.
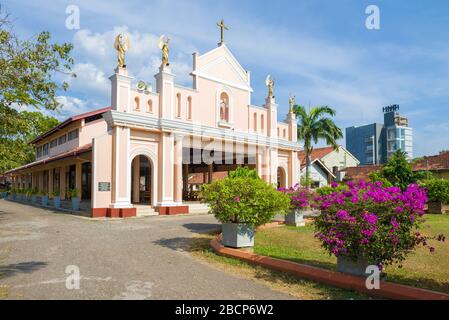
x=145 y=148
x=374 y=143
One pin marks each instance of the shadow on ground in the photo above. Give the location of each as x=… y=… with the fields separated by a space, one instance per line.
x=22 y=267
x=202 y=227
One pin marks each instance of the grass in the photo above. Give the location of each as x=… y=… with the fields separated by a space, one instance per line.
x=421 y=268
x=299 y=288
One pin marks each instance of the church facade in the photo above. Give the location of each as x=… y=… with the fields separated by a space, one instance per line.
x=152 y=147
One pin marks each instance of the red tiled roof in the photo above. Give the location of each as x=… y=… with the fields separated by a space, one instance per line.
x=317 y=153
x=70 y=153
x=433 y=163
x=197 y=178
x=359 y=173
x=68 y=121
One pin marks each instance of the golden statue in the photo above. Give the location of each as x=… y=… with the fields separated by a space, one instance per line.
x=163 y=45
x=223 y=27
x=122 y=45
x=270 y=84
x=291 y=102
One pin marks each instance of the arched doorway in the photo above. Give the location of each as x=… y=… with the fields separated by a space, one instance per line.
x=282 y=181
x=141 y=180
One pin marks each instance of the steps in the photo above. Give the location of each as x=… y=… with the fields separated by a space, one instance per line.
x=145 y=211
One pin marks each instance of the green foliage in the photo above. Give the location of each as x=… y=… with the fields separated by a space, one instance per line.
x=377 y=176
x=26 y=81
x=327 y=190
x=398 y=172
x=55 y=193
x=438 y=190
x=316 y=125
x=244 y=172
x=244 y=198
x=72 y=193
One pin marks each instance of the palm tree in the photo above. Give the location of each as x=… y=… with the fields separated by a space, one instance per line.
x=313 y=126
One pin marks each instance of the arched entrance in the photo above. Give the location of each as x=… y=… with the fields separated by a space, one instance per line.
x=282 y=181
x=141 y=180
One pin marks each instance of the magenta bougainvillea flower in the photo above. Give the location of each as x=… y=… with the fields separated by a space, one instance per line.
x=369 y=220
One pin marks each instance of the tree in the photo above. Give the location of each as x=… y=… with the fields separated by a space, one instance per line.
x=26 y=80
x=398 y=171
x=313 y=126
x=15 y=149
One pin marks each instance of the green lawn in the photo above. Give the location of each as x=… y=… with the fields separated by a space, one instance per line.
x=421 y=269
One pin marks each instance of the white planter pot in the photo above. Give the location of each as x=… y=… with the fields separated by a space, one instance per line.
x=237 y=235
x=295 y=218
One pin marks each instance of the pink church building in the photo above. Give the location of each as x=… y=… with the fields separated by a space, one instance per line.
x=151 y=149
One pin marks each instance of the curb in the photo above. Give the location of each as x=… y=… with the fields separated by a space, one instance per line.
x=333 y=278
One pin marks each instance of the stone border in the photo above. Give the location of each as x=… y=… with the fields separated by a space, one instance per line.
x=333 y=278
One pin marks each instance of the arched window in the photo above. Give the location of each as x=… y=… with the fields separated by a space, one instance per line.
x=136 y=103
x=224 y=107
x=189 y=108
x=150 y=106
x=279 y=132
x=285 y=133
x=178 y=105
x=262 y=123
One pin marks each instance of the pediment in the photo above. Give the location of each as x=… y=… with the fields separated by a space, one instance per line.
x=221 y=66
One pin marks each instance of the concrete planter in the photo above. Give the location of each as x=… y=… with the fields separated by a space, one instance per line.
x=237 y=235
x=33 y=198
x=75 y=204
x=14 y=196
x=57 y=202
x=355 y=268
x=436 y=207
x=295 y=218
x=44 y=200
x=4 y=195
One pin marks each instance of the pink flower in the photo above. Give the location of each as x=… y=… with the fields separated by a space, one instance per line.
x=237 y=199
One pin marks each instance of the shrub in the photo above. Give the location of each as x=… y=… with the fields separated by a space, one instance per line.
x=242 y=197
x=379 y=223
x=55 y=193
x=438 y=190
x=72 y=193
x=299 y=197
x=326 y=190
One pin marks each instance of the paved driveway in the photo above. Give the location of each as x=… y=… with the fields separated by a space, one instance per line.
x=138 y=258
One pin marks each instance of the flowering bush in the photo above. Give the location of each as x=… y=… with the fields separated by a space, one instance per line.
x=299 y=197
x=378 y=223
x=243 y=197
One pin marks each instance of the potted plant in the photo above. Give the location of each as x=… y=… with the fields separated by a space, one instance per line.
x=72 y=194
x=56 y=199
x=44 y=198
x=34 y=193
x=241 y=202
x=369 y=224
x=438 y=193
x=299 y=200
x=29 y=193
x=13 y=193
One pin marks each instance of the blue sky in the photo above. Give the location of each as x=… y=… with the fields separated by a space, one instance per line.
x=319 y=50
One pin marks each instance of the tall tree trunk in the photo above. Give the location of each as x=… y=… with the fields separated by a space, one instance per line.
x=308 y=162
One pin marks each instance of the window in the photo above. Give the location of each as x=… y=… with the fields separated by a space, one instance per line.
x=136 y=103
x=224 y=107
x=279 y=132
x=39 y=152
x=45 y=149
x=72 y=135
x=53 y=143
x=285 y=133
x=150 y=106
x=262 y=124
x=255 y=121
x=189 y=108
x=62 y=139
x=178 y=105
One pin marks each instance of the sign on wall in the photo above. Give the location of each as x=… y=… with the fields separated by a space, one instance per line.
x=104 y=186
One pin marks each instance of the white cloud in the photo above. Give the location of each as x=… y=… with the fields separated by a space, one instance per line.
x=71 y=106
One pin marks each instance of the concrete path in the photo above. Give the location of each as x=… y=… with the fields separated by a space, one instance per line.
x=141 y=258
